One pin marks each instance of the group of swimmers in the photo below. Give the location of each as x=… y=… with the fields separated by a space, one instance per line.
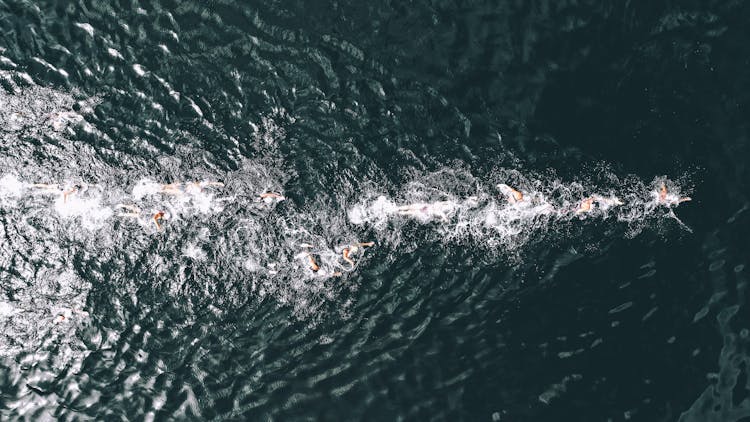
x=440 y=210
x=56 y=189
x=663 y=197
x=348 y=253
x=346 y=258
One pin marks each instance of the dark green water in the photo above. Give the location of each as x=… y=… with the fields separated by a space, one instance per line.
x=484 y=312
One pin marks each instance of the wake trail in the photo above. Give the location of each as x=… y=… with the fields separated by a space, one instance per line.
x=227 y=234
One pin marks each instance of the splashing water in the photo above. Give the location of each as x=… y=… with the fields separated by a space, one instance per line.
x=505 y=217
x=286 y=251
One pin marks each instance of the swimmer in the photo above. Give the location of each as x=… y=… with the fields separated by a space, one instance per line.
x=49 y=188
x=178 y=189
x=347 y=251
x=585 y=205
x=439 y=209
x=269 y=197
x=55 y=188
x=160 y=215
x=442 y=209
x=511 y=194
x=197 y=187
x=313 y=265
x=345 y=254
x=413 y=209
x=193 y=188
x=210 y=184
x=668 y=199
x=172 y=189
x=603 y=203
x=71 y=191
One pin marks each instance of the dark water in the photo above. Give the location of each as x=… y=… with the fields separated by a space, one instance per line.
x=621 y=314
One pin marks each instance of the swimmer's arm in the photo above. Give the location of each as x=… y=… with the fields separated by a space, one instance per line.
x=171 y=188
x=270 y=195
x=313 y=265
x=46 y=187
x=345 y=255
x=68 y=193
x=156 y=219
x=410 y=209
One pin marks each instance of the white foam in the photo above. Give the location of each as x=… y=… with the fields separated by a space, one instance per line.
x=63 y=119
x=11 y=187
x=7 y=309
x=88 y=209
x=377 y=213
x=139 y=70
x=204 y=203
x=193 y=251
x=144 y=188
x=86 y=27
x=508 y=217
x=114 y=53
x=7 y=62
x=274 y=247
x=195 y=107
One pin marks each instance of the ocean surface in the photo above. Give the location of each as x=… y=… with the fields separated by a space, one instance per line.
x=189 y=189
